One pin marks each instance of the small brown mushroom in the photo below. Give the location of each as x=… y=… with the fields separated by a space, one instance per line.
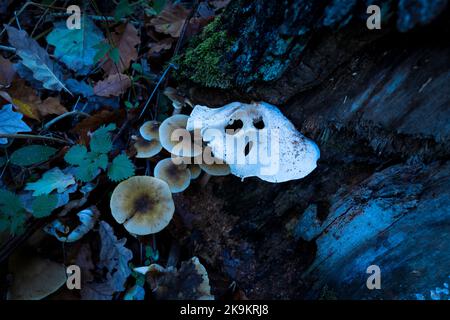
x=177 y=176
x=143 y=204
x=146 y=148
x=177 y=140
x=150 y=130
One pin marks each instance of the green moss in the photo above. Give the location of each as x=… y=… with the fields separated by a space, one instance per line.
x=204 y=61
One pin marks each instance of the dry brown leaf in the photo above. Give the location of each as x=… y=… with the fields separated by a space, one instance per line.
x=7 y=72
x=51 y=105
x=25 y=99
x=156 y=48
x=115 y=85
x=126 y=39
x=27 y=102
x=94 y=122
x=170 y=20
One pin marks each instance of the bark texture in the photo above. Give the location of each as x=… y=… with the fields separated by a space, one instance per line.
x=377 y=103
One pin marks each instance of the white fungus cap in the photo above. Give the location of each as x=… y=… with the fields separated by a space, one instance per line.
x=267 y=145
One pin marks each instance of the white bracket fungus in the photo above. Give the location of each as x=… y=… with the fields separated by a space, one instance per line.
x=255 y=140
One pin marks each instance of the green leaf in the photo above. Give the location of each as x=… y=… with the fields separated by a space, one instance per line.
x=137 y=67
x=33 y=154
x=121 y=168
x=102 y=50
x=10 y=203
x=158 y=5
x=12 y=214
x=114 y=54
x=101 y=161
x=123 y=10
x=51 y=180
x=76 y=155
x=76 y=48
x=44 y=205
x=101 y=139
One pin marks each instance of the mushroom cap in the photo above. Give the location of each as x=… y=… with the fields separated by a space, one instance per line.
x=216 y=169
x=143 y=204
x=195 y=171
x=34 y=277
x=183 y=146
x=146 y=148
x=150 y=130
x=178 y=177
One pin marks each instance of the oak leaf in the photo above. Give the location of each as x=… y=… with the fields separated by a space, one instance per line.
x=170 y=20
x=125 y=39
x=115 y=85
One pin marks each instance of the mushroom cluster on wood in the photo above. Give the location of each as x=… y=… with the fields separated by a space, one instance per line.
x=143 y=204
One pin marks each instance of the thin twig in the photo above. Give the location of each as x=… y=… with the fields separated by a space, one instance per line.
x=65 y=115
x=32 y=136
x=9 y=49
x=156 y=88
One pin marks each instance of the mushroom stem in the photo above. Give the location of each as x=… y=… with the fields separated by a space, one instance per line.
x=176 y=111
x=204 y=180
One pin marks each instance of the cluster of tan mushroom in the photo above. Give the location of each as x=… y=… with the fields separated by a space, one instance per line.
x=144 y=204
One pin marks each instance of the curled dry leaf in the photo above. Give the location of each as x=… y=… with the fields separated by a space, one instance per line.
x=115 y=85
x=61 y=231
x=100 y=282
x=126 y=39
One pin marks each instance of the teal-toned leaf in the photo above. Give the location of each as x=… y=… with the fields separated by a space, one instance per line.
x=114 y=54
x=76 y=155
x=123 y=10
x=121 y=168
x=12 y=214
x=102 y=50
x=36 y=59
x=101 y=161
x=101 y=139
x=76 y=48
x=137 y=67
x=158 y=5
x=33 y=154
x=10 y=203
x=80 y=88
x=11 y=122
x=44 y=205
x=87 y=173
x=53 y=179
